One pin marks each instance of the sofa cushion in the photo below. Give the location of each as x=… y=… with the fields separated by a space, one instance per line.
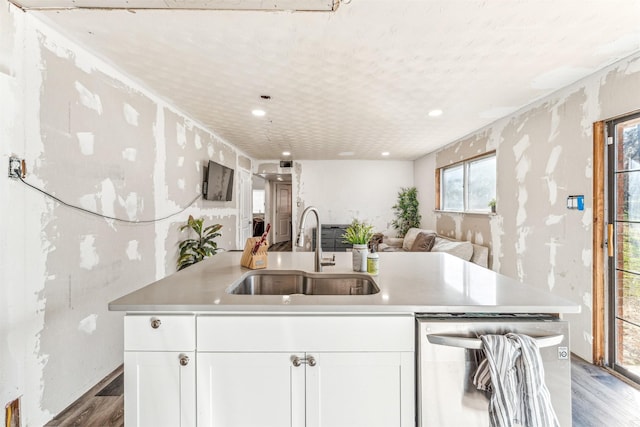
x=411 y=235
x=423 y=242
x=393 y=241
x=460 y=249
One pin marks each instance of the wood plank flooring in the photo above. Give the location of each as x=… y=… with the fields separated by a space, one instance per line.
x=101 y=406
x=602 y=399
x=281 y=247
x=599 y=399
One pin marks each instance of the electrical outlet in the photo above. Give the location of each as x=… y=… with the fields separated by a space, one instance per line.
x=15 y=167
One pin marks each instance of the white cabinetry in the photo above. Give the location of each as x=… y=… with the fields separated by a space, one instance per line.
x=249 y=389
x=360 y=390
x=314 y=371
x=269 y=370
x=160 y=371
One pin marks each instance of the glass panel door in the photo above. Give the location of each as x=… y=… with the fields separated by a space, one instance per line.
x=624 y=241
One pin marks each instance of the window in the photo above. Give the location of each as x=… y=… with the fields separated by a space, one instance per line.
x=453 y=188
x=258 y=201
x=469 y=186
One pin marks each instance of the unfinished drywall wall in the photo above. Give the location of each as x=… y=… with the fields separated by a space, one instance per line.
x=18 y=293
x=544 y=153
x=93 y=138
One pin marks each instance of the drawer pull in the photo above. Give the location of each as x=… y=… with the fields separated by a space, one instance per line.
x=296 y=361
x=184 y=360
x=155 y=323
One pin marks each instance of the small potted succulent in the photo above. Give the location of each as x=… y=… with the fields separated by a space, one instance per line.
x=492 y=205
x=358 y=233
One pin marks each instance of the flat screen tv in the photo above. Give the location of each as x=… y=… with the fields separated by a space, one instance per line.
x=218 y=184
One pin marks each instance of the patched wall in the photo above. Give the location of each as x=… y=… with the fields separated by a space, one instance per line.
x=94 y=139
x=544 y=153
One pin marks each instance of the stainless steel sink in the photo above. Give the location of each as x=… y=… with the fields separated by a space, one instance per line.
x=283 y=282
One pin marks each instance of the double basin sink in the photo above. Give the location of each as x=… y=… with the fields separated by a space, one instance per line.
x=293 y=282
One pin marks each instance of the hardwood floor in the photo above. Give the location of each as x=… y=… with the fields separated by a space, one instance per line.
x=598 y=399
x=602 y=399
x=281 y=247
x=102 y=406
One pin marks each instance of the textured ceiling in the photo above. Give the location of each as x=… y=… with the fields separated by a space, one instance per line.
x=363 y=78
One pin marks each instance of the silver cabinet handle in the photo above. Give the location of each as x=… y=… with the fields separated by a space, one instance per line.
x=184 y=360
x=297 y=361
x=155 y=323
x=476 y=343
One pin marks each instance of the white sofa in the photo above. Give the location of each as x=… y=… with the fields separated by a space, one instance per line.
x=468 y=251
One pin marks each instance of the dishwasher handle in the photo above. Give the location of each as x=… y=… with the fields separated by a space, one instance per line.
x=476 y=343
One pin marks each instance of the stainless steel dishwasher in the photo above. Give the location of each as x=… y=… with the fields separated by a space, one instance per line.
x=448 y=347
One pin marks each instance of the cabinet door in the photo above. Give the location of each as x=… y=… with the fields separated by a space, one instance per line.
x=360 y=390
x=249 y=390
x=159 y=389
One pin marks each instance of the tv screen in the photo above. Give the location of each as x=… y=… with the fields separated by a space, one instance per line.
x=219 y=183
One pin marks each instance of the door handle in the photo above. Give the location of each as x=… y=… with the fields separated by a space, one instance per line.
x=297 y=361
x=610 y=240
x=476 y=343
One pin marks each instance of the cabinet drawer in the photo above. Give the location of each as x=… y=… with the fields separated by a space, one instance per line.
x=328 y=246
x=305 y=333
x=342 y=247
x=159 y=332
x=327 y=234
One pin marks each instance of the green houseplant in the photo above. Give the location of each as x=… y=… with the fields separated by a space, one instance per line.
x=195 y=250
x=406 y=210
x=358 y=233
x=492 y=205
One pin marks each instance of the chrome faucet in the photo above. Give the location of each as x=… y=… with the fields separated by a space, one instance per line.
x=319 y=261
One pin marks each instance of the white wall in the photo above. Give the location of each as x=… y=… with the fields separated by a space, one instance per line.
x=424 y=169
x=346 y=189
x=95 y=139
x=21 y=318
x=544 y=153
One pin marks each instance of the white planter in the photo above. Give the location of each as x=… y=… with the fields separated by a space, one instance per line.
x=359 y=254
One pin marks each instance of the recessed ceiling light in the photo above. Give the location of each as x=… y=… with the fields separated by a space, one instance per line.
x=435 y=113
x=286 y=153
x=385 y=153
x=258 y=113
x=346 y=153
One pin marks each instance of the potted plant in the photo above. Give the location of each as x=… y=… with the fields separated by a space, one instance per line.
x=492 y=205
x=358 y=233
x=406 y=210
x=195 y=250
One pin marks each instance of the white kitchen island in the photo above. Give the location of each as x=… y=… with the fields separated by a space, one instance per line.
x=196 y=354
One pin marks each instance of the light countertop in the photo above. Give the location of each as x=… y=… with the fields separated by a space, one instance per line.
x=415 y=282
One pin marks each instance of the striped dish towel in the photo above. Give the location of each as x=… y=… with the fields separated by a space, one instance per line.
x=514 y=373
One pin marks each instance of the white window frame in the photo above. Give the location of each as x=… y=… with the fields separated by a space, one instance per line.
x=465 y=184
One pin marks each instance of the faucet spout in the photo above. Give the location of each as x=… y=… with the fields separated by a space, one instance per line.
x=319 y=262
